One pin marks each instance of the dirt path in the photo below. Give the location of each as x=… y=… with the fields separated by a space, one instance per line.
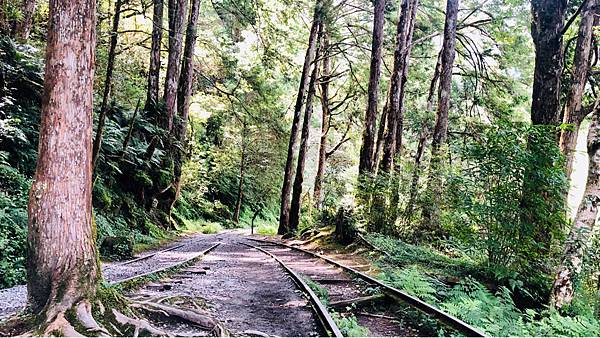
x=244 y=289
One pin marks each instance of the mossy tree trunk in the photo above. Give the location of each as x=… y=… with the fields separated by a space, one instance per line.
x=177 y=14
x=62 y=267
x=154 y=70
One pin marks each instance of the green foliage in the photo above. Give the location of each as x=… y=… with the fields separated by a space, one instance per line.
x=413 y=282
x=202 y=227
x=348 y=325
x=319 y=290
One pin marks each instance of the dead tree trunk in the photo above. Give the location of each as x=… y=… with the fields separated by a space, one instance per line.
x=367 y=149
x=563 y=289
x=154 y=70
x=431 y=216
x=110 y=66
x=284 y=212
x=62 y=262
x=23 y=27
x=546 y=30
x=573 y=113
x=296 y=204
x=393 y=139
x=325 y=78
x=177 y=15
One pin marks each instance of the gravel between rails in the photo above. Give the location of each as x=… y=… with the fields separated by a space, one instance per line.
x=243 y=288
x=14 y=299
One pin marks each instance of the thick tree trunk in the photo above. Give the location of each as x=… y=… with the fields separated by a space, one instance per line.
x=563 y=289
x=177 y=15
x=184 y=96
x=284 y=212
x=546 y=30
x=325 y=78
x=573 y=113
x=186 y=80
x=110 y=66
x=296 y=204
x=62 y=261
x=393 y=139
x=154 y=71
x=367 y=150
x=23 y=27
x=431 y=212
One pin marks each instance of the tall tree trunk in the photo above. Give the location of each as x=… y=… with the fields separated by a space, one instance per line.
x=114 y=34
x=240 y=196
x=367 y=149
x=177 y=15
x=573 y=113
x=296 y=204
x=431 y=212
x=62 y=264
x=154 y=71
x=563 y=289
x=325 y=119
x=284 y=210
x=546 y=30
x=393 y=139
x=23 y=27
x=184 y=96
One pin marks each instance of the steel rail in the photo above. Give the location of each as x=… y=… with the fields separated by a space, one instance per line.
x=149 y=255
x=324 y=317
x=128 y=279
x=426 y=308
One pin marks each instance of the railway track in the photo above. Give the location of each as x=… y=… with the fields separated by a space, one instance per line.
x=325 y=319
x=347 y=286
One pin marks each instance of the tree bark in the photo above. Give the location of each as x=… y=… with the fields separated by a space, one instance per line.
x=62 y=260
x=23 y=27
x=325 y=120
x=414 y=185
x=296 y=204
x=154 y=70
x=573 y=113
x=286 y=188
x=110 y=66
x=546 y=30
x=177 y=15
x=186 y=80
x=431 y=213
x=563 y=289
x=393 y=138
x=367 y=150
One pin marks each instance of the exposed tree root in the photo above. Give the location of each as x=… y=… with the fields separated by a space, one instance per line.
x=139 y=325
x=193 y=316
x=60 y=326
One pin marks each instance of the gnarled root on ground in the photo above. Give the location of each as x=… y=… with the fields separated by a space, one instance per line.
x=139 y=325
x=194 y=316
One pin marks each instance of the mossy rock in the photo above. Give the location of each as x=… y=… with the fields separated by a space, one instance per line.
x=117 y=248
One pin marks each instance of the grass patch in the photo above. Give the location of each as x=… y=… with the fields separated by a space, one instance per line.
x=201 y=226
x=266 y=229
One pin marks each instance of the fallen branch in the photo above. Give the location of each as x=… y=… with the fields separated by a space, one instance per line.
x=356 y=301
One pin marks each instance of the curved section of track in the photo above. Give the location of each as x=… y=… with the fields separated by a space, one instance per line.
x=394 y=293
x=320 y=309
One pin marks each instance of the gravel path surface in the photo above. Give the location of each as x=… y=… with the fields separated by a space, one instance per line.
x=244 y=289
x=14 y=299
